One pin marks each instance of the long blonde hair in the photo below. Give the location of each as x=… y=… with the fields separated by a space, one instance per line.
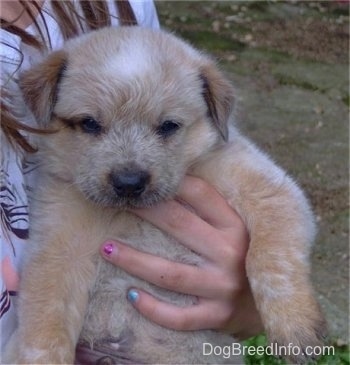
x=94 y=14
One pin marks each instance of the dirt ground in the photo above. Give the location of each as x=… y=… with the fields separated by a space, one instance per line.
x=289 y=62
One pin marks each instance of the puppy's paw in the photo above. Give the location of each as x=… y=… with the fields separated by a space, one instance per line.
x=43 y=352
x=22 y=350
x=298 y=333
x=38 y=356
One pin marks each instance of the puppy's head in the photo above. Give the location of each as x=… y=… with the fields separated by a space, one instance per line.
x=133 y=109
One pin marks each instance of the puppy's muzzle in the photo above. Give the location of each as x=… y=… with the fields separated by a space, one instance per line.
x=130 y=184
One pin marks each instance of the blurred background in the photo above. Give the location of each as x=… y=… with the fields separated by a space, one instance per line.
x=289 y=61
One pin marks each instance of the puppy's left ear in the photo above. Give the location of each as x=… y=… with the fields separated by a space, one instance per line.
x=218 y=94
x=39 y=86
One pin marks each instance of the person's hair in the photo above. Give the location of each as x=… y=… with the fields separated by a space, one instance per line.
x=93 y=15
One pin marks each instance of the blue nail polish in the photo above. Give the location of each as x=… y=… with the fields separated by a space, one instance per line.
x=133 y=295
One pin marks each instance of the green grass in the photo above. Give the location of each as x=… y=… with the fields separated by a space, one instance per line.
x=341 y=354
x=346 y=100
x=212 y=42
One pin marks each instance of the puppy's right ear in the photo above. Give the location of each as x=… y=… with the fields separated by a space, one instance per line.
x=219 y=96
x=40 y=85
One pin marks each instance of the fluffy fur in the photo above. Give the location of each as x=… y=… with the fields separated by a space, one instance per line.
x=107 y=95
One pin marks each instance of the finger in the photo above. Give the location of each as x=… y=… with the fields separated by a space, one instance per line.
x=204 y=315
x=179 y=222
x=166 y=274
x=208 y=203
x=213 y=208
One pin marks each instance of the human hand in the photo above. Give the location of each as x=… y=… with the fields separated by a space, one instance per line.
x=217 y=233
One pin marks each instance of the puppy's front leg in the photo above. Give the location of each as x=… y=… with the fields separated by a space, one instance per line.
x=279 y=274
x=53 y=298
x=281 y=229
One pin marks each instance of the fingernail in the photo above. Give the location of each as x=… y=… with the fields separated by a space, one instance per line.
x=108 y=248
x=133 y=295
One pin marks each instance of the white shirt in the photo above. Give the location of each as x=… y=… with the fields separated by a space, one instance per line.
x=17 y=174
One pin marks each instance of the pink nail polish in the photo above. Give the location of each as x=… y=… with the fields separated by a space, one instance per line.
x=108 y=248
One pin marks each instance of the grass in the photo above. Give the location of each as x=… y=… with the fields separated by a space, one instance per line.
x=259 y=356
x=211 y=41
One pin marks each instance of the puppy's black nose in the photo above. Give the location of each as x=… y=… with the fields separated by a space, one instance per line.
x=130 y=183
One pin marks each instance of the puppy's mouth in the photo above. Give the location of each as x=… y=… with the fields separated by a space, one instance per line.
x=147 y=200
x=129 y=190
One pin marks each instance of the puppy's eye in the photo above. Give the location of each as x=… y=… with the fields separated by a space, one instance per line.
x=167 y=128
x=90 y=125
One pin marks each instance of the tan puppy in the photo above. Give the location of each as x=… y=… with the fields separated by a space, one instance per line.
x=134 y=111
